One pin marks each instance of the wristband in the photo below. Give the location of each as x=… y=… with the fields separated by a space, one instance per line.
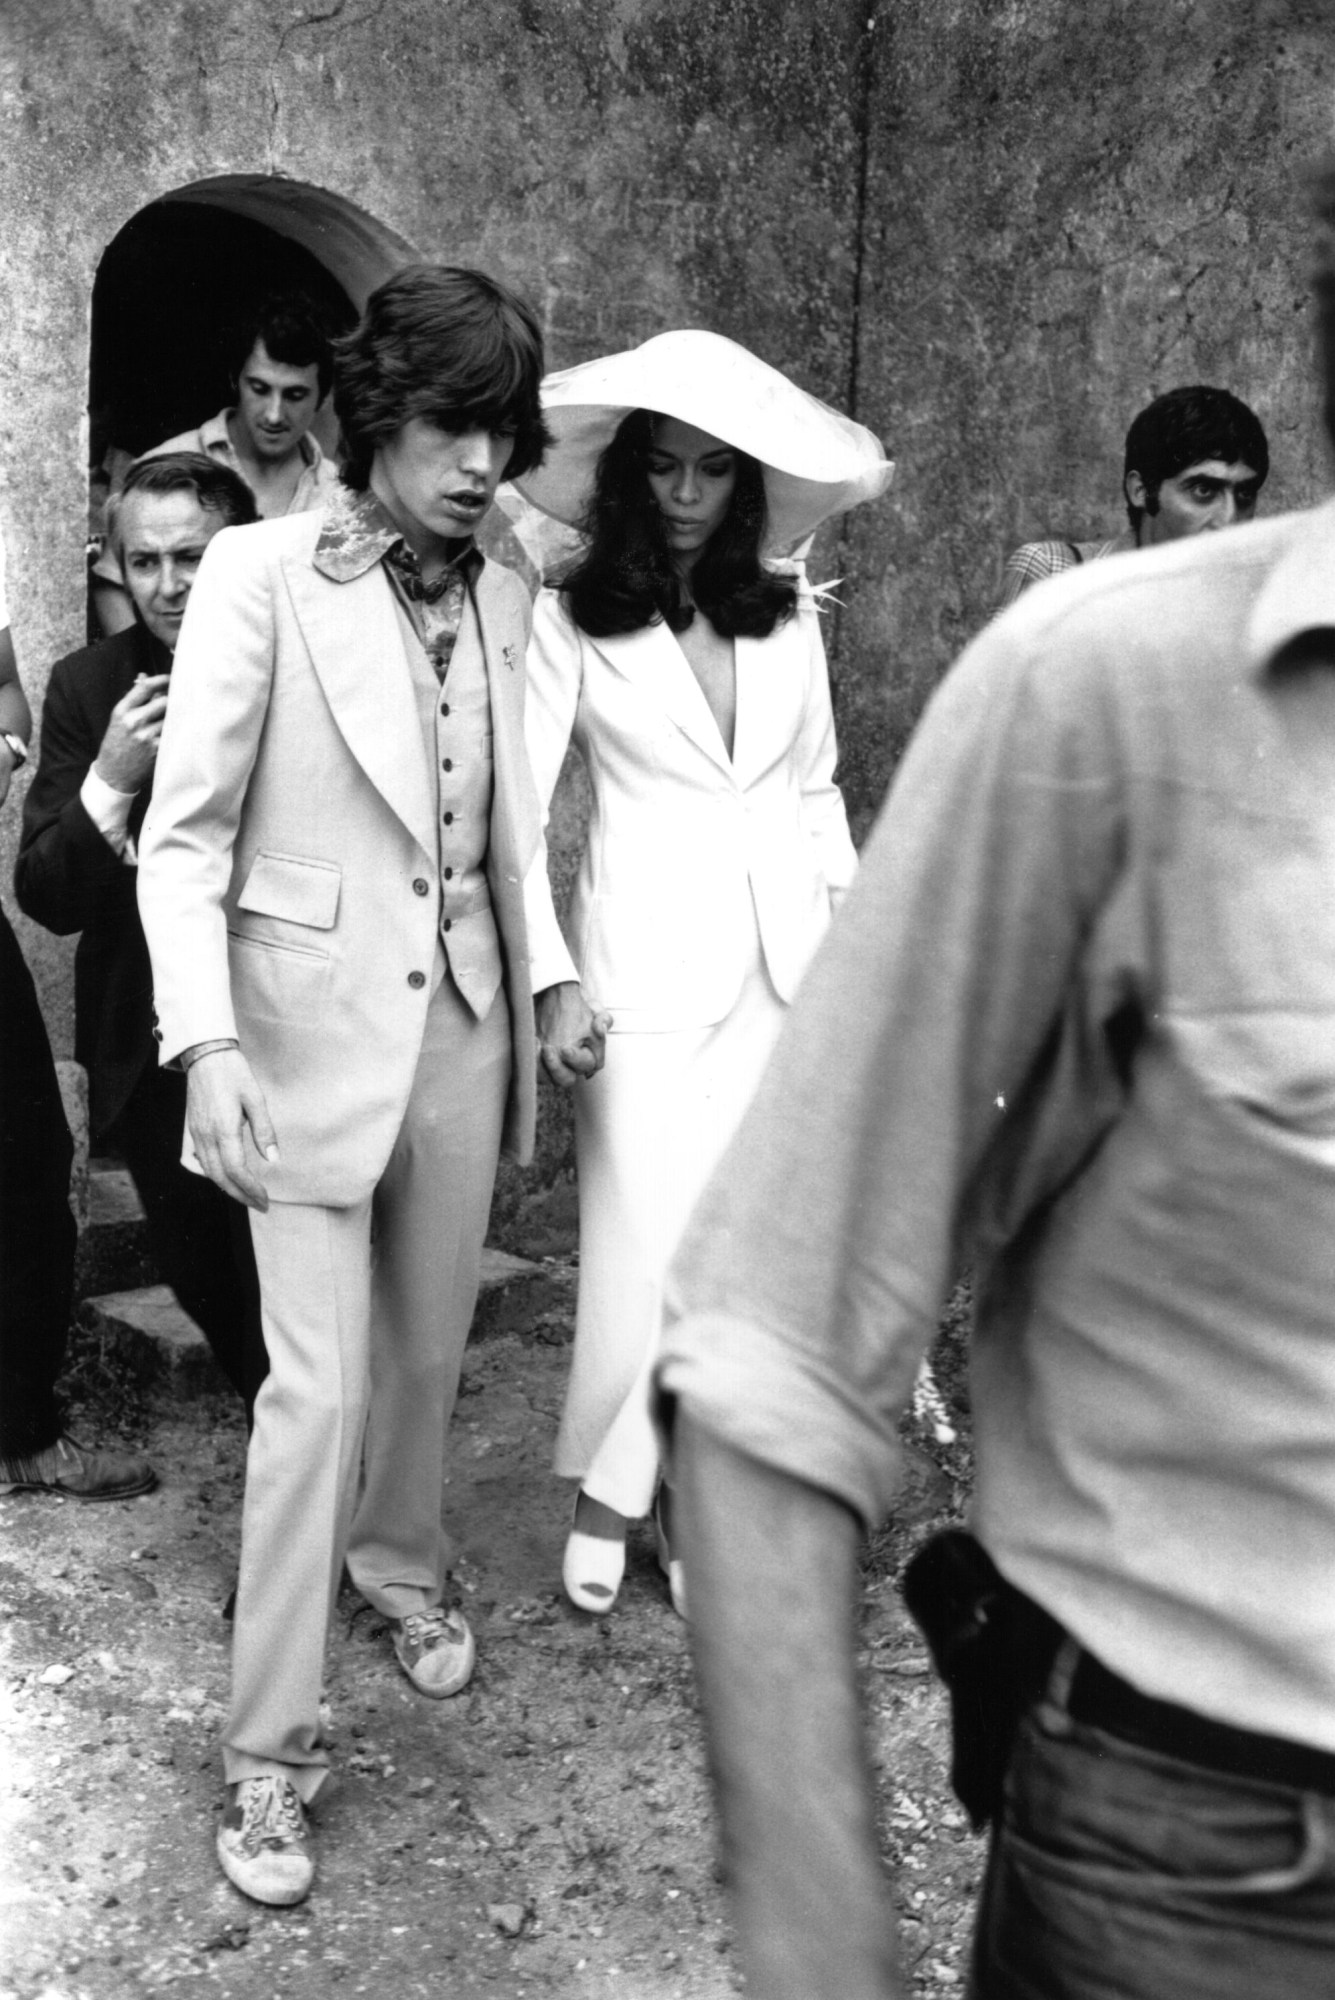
x=189 y=1057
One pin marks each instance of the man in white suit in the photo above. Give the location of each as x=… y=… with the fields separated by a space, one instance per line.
x=332 y=882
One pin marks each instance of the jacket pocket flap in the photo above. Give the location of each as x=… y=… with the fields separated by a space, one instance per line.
x=300 y=892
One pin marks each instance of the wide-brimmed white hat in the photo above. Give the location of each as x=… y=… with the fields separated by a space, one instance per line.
x=816 y=462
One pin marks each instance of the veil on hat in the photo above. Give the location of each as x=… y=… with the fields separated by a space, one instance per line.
x=816 y=462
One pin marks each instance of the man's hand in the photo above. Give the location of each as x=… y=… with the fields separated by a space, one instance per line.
x=222 y=1099
x=130 y=745
x=572 y=1039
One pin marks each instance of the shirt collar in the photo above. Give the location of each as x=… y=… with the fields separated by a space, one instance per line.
x=358 y=532
x=1298 y=595
x=215 y=436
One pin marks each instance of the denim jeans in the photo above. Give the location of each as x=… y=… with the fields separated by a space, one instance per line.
x=1116 y=1873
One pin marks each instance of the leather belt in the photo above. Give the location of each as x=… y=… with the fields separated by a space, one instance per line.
x=1105 y=1701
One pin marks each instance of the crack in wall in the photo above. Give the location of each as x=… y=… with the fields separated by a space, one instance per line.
x=336 y=12
x=864 y=94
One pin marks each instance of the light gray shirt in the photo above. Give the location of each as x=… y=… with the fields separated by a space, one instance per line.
x=1076 y=1022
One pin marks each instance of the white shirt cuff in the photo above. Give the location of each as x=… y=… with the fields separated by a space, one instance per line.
x=109 y=810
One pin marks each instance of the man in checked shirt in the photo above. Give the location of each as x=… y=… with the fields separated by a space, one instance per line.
x=333 y=881
x=1195 y=460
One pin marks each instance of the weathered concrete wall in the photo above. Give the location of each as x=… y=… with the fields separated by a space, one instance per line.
x=1068 y=210
x=993 y=228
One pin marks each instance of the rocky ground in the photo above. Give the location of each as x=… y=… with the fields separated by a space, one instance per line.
x=549 y=1832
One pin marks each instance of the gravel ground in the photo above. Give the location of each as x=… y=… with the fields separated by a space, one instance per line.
x=548 y=1832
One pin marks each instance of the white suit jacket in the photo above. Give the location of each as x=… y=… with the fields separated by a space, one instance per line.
x=685 y=843
x=288 y=865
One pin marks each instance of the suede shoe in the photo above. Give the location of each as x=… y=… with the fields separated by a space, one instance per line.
x=67 y=1467
x=435 y=1649
x=263 y=1843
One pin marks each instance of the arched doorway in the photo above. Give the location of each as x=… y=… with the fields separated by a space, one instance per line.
x=173 y=282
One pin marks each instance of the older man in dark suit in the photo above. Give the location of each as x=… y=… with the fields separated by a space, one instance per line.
x=76 y=872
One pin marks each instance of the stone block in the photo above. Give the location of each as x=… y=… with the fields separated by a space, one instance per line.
x=113 y=1254
x=147 y=1329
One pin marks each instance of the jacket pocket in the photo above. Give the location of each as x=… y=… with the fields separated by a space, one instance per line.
x=293 y=889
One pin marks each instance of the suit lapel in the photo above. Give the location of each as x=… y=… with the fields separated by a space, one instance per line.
x=352 y=633
x=652 y=659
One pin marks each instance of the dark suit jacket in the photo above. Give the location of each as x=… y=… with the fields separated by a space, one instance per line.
x=69 y=879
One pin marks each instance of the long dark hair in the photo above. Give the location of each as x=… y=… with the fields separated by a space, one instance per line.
x=627 y=578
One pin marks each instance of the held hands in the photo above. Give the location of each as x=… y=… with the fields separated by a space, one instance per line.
x=222 y=1099
x=131 y=741
x=572 y=1039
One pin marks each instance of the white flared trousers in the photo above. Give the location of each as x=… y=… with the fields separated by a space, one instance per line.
x=649 y=1131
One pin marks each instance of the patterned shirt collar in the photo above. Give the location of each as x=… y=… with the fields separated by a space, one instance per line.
x=358 y=532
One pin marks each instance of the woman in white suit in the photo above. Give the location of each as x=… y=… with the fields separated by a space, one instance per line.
x=685 y=662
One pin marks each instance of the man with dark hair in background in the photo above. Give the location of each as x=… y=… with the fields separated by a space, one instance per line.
x=1195 y=460
x=76 y=871
x=1075 y=1022
x=333 y=885
x=37 y=1232
x=281 y=368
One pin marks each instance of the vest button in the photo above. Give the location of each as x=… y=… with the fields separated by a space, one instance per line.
x=444 y=708
x=419 y=887
x=446 y=925
x=449 y=819
x=449 y=874
x=447 y=764
x=416 y=979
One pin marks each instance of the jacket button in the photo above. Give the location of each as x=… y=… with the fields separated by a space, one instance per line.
x=419 y=887
x=444 y=708
x=416 y=979
x=447 y=923
x=449 y=874
x=447 y=764
x=449 y=819
x=157 y=1034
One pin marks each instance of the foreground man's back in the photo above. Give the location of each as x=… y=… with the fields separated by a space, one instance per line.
x=1075 y=1021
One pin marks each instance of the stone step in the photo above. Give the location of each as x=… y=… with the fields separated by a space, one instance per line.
x=146 y=1329
x=113 y=1198
x=113 y=1254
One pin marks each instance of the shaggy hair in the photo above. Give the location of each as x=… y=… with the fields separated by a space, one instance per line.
x=1184 y=426
x=451 y=345
x=217 y=488
x=627 y=578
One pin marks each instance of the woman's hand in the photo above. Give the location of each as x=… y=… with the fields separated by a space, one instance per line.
x=572 y=1039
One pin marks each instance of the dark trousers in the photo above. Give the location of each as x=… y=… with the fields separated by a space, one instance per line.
x=37 y=1232
x=1119 y=1873
x=199 y=1237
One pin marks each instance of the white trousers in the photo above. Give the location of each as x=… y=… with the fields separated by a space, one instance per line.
x=649 y=1131
x=366 y=1312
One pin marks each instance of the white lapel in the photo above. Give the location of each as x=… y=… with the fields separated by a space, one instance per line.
x=655 y=662
x=352 y=634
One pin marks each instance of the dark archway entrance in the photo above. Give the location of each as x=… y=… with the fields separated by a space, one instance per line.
x=173 y=282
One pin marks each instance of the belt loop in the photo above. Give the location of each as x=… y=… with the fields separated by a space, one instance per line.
x=1054 y=1702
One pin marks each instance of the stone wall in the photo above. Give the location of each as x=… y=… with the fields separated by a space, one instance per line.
x=991 y=228
x=1068 y=210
